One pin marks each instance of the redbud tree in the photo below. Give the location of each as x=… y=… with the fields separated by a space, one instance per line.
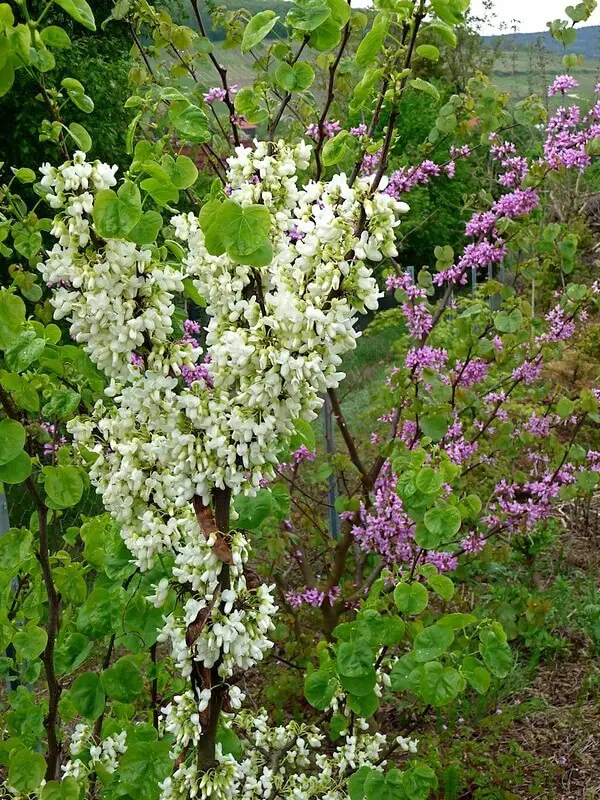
x=169 y=335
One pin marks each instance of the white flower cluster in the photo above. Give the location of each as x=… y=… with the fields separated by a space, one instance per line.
x=275 y=342
x=235 y=635
x=115 y=297
x=105 y=753
x=286 y=761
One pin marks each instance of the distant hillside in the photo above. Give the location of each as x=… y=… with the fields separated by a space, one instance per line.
x=587 y=44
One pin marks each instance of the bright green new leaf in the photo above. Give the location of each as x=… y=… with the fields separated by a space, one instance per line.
x=64 y=485
x=444 y=521
x=12 y=318
x=476 y=674
x=116 y=213
x=146 y=230
x=123 y=681
x=431 y=642
x=428 y=51
x=80 y=11
x=56 y=37
x=17 y=470
x=190 y=121
x=440 y=685
x=424 y=86
x=307 y=15
x=371 y=44
x=496 y=653
x=258 y=28
x=294 y=78
x=411 y=598
x=25 y=770
x=355 y=659
x=12 y=439
x=253 y=511
x=319 y=688
x=27 y=349
x=87 y=695
x=30 y=642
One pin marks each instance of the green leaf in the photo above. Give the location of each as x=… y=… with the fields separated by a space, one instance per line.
x=26 y=770
x=146 y=230
x=431 y=642
x=418 y=781
x=56 y=37
x=411 y=598
x=27 y=349
x=363 y=705
x=319 y=688
x=445 y=33
x=17 y=470
x=258 y=28
x=67 y=789
x=340 y=147
x=80 y=11
x=380 y=786
x=565 y=407
x=181 y=170
x=326 y=36
x=7 y=77
x=356 y=783
x=87 y=695
x=424 y=86
x=116 y=213
x=428 y=51
x=123 y=681
x=355 y=659
x=161 y=191
x=143 y=767
x=442 y=585
x=12 y=439
x=428 y=480
x=28 y=244
x=62 y=404
x=307 y=15
x=476 y=674
x=30 y=642
x=496 y=653
x=24 y=175
x=12 y=318
x=439 y=685
x=63 y=485
x=296 y=78
x=443 y=521
x=359 y=686
x=508 y=322
x=435 y=426
x=371 y=44
x=253 y=510
x=190 y=121
x=80 y=136
x=243 y=229
x=400 y=676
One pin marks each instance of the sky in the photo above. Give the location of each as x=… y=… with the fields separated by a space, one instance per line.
x=531 y=14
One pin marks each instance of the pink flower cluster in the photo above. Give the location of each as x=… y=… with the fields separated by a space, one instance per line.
x=312 y=597
x=562 y=83
x=387 y=530
x=330 y=128
x=520 y=507
x=217 y=93
x=427 y=357
x=303 y=454
x=57 y=441
x=418 y=319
